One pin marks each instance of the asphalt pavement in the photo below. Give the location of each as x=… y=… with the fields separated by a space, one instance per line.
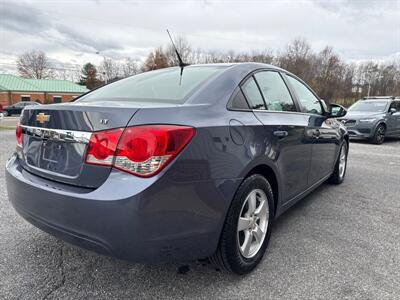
x=341 y=242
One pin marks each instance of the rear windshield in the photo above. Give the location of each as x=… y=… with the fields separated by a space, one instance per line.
x=369 y=106
x=156 y=86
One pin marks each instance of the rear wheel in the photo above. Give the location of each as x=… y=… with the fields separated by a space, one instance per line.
x=247 y=227
x=379 y=135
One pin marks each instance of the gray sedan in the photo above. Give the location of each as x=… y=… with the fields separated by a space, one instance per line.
x=177 y=164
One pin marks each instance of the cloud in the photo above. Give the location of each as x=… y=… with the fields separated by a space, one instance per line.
x=18 y=17
x=361 y=9
x=82 y=42
x=76 y=30
x=27 y=19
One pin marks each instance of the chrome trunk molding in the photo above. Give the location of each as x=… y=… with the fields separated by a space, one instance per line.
x=60 y=135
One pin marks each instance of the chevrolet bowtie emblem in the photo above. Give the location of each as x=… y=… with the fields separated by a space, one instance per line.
x=41 y=118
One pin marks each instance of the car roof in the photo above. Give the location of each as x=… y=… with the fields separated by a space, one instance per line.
x=382 y=98
x=250 y=65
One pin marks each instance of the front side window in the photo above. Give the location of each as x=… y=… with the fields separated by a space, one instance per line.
x=308 y=101
x=396 y=105
x=253 y=95
x=274 y=91
x=164 y=85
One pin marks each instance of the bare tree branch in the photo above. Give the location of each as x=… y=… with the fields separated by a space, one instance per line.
x=34 y=64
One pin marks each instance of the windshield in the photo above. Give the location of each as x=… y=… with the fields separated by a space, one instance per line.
x=369 y=106
x=159 y=86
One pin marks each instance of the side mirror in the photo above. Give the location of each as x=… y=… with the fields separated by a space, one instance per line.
x=336 y=111
x=392 y=110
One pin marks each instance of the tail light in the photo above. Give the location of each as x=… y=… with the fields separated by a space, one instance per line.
x=102 y=147
x=141 y=150
x=19 y=135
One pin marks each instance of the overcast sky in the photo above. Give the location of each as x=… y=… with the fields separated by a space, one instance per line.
x=71 y=32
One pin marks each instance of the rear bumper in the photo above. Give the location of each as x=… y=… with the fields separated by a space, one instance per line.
x=154 y=219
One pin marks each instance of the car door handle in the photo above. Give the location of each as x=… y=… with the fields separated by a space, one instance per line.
x=281 y=133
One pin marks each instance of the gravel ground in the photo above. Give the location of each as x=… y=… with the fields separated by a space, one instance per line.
x=339 y=242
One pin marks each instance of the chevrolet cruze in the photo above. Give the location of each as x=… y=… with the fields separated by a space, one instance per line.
x=170 y=165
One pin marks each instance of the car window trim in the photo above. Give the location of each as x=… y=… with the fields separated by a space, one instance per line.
x=259 y=90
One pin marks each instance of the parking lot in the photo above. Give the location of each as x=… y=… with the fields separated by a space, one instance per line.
x=340 y=242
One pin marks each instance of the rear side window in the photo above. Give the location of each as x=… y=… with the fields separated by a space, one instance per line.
x=307 y=99
x=274 y=90
x=155 y=86
x=239 y=101
x=253 y=95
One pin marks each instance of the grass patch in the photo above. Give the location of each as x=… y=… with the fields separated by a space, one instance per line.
x=7 y=128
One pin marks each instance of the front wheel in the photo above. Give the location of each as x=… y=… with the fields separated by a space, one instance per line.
x=247 y=227
x=5 y=113
x=379 y=135
x=341 y=165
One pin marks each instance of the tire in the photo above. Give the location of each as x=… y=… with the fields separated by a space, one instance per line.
x=232 y=255
x=341 y=165
x=379 y=135
x=5 y=113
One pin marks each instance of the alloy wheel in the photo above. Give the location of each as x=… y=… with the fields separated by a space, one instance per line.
x=342 y=160
x=380 y=135
x=253 y=223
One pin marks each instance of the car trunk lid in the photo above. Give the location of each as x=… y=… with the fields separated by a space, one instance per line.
x=56 y=137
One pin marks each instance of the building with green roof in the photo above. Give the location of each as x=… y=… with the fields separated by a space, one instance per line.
x=14 y=89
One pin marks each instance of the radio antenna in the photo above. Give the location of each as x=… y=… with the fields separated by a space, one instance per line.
x=182 y=65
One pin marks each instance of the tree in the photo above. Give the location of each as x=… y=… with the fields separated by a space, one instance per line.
x=89 y=76
x=297 y=58
x=34 y=64
x=110 y=69
x=130 y=67
x=327 y=73
x=71 y=72
x=157 y=59
x=184 y=49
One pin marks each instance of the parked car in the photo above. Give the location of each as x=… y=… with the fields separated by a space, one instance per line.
x=16 y=108
x=170 y=165
x=374 y=118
